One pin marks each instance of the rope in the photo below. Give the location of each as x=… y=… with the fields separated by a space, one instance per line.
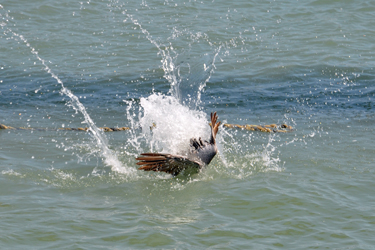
x=272 y=128
x=283 y=128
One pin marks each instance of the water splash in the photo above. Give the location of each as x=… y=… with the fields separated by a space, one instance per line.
x=186 y=72
x=170 y=133
x=187 y=75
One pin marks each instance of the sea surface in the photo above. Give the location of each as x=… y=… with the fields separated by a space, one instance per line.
x=160 y=68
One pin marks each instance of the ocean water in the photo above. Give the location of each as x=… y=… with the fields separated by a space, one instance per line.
x=168 y=65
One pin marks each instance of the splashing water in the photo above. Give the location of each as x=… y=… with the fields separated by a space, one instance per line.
x=171 y=112
x=170 y=134
x=168 y=121
x=186 y=73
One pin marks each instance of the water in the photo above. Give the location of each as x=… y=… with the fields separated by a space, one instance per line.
x=167 y=65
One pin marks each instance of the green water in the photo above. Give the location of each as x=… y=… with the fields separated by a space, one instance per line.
x=307 y=64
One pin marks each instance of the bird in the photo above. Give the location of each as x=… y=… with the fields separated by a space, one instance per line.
x=200 y=155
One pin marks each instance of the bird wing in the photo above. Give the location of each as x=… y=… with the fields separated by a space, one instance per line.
x=214 y=127
x=172 y=164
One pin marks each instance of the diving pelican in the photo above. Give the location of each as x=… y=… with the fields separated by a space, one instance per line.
x=200 y=155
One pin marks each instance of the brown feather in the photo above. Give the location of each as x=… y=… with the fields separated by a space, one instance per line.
x=151 y=158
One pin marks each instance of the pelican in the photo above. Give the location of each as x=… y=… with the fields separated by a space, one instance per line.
x=200 y=155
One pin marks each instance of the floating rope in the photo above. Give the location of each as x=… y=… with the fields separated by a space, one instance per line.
x=272 y=128
x=283 y=128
